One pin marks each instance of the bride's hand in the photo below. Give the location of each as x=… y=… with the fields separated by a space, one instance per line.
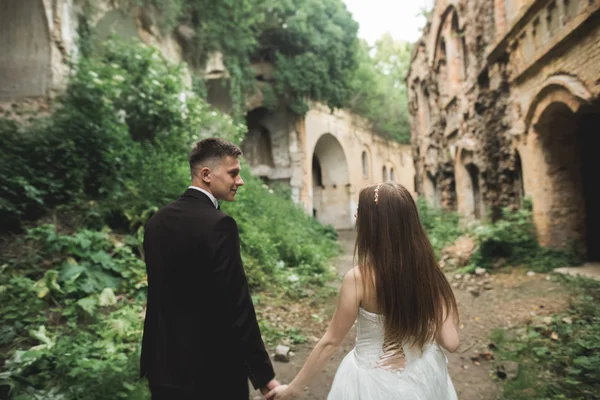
x=279 y=393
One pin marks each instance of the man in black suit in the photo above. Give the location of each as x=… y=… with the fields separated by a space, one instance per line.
x=201 y=338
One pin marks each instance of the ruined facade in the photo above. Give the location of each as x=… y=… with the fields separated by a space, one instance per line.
x=325 y=157
x=505 y=103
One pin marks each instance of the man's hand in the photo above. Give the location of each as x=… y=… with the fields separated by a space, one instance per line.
x=270 y=386
x=280 y=393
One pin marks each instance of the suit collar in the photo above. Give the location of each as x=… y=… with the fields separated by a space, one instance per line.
x=212 y=198
x=199 y=195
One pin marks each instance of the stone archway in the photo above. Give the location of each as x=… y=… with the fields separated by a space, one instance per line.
x=330 y=183
x=257 y=145
x=449 y=53
x=562 y=141
x=393 y=177
x=366 y=162
x=588 y=135
x=470 y=200
x=431 y=191
x=519 y=183
x=25 y=55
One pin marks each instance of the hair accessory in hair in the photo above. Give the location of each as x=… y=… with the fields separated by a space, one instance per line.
x=377 y=193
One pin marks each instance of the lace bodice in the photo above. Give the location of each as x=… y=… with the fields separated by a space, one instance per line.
x=369 y=338
x=421 y=375
x=369 y=347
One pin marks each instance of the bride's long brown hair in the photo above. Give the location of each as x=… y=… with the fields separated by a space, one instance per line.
x=397 y=261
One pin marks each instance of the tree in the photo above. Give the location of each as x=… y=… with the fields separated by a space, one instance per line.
x=379 y=90
x=314 y=48
x=311 y=43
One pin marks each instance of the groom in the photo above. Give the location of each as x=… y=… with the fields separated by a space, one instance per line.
x=201 y=338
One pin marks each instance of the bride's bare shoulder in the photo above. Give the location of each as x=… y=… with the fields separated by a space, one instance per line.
x=365 y=288
x=355 y=275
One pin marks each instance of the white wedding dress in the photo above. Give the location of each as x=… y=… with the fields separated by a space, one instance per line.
x=425 y=376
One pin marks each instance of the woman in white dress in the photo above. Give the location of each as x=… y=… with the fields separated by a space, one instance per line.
x=405 y=308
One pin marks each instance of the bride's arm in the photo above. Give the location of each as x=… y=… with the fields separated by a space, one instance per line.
x=343 y=319
x=448 y=335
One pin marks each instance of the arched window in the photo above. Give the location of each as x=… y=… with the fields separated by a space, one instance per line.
x=384 y=174
x=451 y=57
x=519 y=187
x=365 y=166
x=392 y=175
x=316 y=172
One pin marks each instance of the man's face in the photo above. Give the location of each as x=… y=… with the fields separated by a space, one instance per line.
x=225 y=179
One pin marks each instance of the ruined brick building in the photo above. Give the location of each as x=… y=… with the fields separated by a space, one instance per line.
x=325 y=158
x=505 y=103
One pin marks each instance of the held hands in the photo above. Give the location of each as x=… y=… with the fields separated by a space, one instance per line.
x=269 y=387
x=280 y=393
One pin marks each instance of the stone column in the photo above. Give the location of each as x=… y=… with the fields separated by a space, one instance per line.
x=306 y=187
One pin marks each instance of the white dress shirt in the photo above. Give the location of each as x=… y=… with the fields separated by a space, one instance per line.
x=209 y=194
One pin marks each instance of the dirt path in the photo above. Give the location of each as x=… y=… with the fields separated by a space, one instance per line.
x=513 y=298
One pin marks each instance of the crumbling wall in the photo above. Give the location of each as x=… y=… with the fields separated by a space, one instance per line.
x=524 y=61
x=473 y=117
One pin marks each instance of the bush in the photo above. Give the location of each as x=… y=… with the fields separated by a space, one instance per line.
x=112 y=153
x=71 y=310
x=441 y=226
x=514 y=239
x=283 y=238
x=560 y=358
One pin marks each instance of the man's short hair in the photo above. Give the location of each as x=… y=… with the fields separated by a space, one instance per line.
x=211 y=149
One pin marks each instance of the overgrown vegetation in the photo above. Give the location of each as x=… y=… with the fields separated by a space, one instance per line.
x=559 y=356
x=442 y=227
x=378 y=88
x=310 y=42
x=313 y=46
x=512 y=240
x=80 y=184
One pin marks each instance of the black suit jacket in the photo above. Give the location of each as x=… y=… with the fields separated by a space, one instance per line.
x=200 y=329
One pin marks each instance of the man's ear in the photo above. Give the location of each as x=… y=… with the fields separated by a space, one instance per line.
x=205 y=174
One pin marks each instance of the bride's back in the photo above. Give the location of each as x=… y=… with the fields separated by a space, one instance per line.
x=400 y=280
x=372 y=348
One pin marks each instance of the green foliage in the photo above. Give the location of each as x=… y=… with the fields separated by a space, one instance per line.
x=229 y=27
x=274 y=336
x=309 y=41
x=275 y=247
x=71 y=315
x=441 y=226
x=312 y=45
x=378 y=89
x=124 y=125
x=112 y=153
x=560 y=357
x=513 y=238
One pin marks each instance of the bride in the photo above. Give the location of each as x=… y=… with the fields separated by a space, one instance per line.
x=405 y=308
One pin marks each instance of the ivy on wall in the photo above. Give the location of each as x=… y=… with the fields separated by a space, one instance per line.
x=313 y=46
